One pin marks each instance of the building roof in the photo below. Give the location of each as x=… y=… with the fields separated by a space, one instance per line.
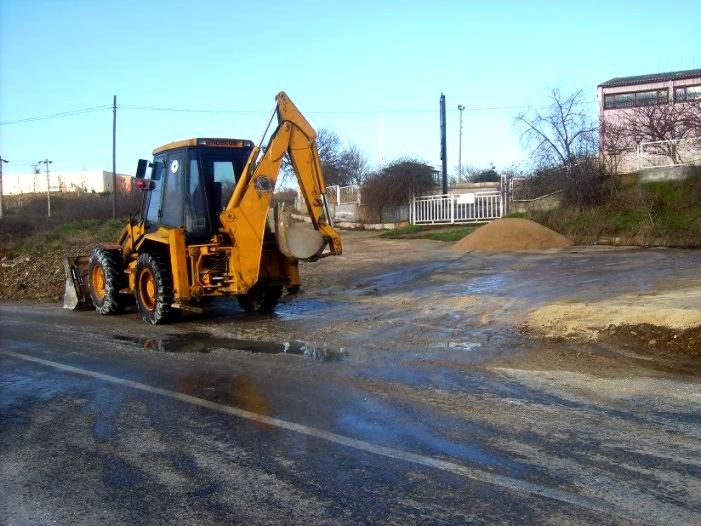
x=653 y=77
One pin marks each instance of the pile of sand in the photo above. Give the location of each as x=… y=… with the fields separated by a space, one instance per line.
x=504 y=235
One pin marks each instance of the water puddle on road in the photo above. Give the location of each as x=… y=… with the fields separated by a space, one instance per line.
x=205 y=343
x=458 y=346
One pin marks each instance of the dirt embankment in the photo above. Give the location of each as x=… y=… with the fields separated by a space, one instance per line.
x=38 y=277
x=654 y=337
x=507 y=235
x=671 y=320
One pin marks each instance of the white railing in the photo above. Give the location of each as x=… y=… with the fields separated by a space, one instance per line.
x=348 y=194
x=343 y=195
x=676 y=152
x=446 y=209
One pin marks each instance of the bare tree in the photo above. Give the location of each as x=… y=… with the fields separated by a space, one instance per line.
x=341 y=165
x=616 y=145
x=329 y=146
x=353 y=165
x=664 y=125
x=561 y=134
x=468 y=170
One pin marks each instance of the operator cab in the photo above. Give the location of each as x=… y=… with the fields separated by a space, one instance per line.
x=190 y=183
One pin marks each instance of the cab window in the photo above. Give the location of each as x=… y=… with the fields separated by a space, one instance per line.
x=196 y=214
x=224 y=174
x=174 y=190
x=223 y=167
x=153 y=208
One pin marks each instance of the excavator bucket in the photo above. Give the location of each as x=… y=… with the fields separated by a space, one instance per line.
x=76 y=294
x=296 y=240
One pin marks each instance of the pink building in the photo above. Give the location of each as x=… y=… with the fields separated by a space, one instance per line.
x=651 y=120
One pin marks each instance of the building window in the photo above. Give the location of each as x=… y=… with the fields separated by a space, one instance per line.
x=687 y=93
x=636 y=98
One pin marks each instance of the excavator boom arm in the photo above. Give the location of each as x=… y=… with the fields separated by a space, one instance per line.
x=244 y=217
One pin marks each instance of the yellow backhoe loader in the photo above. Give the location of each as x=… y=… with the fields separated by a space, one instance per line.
x=207 y=229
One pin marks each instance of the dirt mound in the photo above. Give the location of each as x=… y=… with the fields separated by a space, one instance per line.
x=506 y=235
x=37 y=277
x=651 y=336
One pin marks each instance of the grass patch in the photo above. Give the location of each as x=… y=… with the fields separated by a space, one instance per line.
x=87 y=231
x=403 y=231
x=437 y=233
x=658 y=214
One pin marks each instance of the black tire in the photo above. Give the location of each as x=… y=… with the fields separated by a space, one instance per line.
x=153 y=288
x=261 y=298
x=105 y=279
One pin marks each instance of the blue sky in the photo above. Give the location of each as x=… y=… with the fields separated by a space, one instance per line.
x=370 y=71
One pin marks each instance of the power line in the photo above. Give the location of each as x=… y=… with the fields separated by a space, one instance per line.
x=57 y=115
x=190 y=110
x=318 y=112
x=405 y=112
x=263 y=112
x=334 y=112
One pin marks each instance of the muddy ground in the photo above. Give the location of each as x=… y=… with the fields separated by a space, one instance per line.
x=402 y=344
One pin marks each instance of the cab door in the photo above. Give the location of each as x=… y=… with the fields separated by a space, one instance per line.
x=173 y=190
x=154 y=196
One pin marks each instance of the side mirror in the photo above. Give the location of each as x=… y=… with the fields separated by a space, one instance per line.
x=141 y=168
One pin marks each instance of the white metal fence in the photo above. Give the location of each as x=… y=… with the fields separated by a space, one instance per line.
x=445 y=209
x=677 y=152
x=343 y=195
x=348 y=194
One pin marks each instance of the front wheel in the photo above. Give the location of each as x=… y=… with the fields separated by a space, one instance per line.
x=105 y=278
x=261 y=298
x=154 y=288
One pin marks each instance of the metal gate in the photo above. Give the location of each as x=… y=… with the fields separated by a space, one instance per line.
x=446 y=209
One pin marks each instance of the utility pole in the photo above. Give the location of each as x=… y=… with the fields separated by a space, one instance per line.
x=114 y=157
x=460 y=109
x=35 y=171
x=444 y=149
x=48 y=186
x=2 y=161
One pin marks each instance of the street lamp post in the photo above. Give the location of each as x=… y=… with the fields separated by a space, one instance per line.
x=460 y=108
x=2 y=161
x=48 y=186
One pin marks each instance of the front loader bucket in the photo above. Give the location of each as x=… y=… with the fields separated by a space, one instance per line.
x=76 y=294
x=296 y=240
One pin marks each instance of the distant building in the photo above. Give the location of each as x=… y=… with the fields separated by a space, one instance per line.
x=97 y=181
x=621 y=100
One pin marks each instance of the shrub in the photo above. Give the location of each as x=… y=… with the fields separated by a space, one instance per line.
x=394 y=185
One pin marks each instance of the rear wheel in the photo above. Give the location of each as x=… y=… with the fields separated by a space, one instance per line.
x=154 y=288
x=261 y=298
x=105 y=278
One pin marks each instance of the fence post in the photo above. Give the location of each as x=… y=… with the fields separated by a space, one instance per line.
x=412 y=210
x=452 y=208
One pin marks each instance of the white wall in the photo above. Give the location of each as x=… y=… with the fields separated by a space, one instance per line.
x=87 y=181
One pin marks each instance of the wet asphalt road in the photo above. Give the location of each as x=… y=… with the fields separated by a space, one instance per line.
x=230 y=420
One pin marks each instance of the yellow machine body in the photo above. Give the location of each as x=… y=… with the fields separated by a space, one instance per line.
x=246 y=245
